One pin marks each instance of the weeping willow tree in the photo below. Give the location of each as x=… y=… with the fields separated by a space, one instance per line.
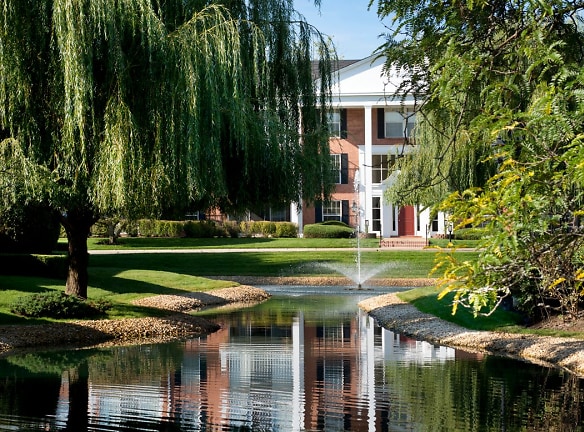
x=132 y=106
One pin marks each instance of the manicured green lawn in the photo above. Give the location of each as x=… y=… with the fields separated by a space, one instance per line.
x=228 y=243
x=426 y=300
x=121 y=278
x=394 y=263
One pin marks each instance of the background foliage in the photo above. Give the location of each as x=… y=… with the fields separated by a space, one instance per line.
x=501 y=129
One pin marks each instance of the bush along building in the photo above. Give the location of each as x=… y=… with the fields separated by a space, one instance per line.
x=370 y=128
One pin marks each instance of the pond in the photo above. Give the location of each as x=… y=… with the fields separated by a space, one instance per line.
x=306 y=360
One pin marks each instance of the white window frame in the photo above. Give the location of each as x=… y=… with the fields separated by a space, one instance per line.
x=405 y=121
x=383 y=169
x=334 y=123
x=336 y=167
x=332 y=210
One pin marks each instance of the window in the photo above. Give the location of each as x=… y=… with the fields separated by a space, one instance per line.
x=274 y=214
x=381 y=166
x=340 y=168
x=396 y=124
x=334 y=123
x=336 y=168
x=376 y=214
x=435 y=224
x=331 y=210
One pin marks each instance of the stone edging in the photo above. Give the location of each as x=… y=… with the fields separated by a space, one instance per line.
x=90 y=333
x=394 y=314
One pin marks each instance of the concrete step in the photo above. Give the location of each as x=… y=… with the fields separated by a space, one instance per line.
x=396 y=242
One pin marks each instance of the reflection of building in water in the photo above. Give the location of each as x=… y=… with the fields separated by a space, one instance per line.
x=303 y=376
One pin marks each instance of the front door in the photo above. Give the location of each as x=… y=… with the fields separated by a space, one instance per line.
x=405 y=221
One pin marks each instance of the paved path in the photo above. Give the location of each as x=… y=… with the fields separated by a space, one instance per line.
x=243 y=250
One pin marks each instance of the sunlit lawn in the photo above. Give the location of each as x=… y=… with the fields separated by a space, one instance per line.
x=227 y=243
x=122 y=278
x=426 y=300
x=118 y=286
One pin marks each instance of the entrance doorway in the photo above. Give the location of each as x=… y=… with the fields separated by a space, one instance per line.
x=405 y=221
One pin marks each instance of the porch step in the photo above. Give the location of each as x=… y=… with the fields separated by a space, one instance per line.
x=397 y=242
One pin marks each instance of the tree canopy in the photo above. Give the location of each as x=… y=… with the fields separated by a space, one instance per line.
x=134 y=106
x=500 y=129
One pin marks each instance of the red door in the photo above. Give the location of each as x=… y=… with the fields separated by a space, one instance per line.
x=405 y=221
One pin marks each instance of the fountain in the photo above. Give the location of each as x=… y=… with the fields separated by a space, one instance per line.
x=357 y=209
x=360 y=273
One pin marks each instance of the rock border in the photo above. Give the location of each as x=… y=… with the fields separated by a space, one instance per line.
x=91 y=333
x=394 y=314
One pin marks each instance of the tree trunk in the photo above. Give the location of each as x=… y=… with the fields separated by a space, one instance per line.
x=77 y=225
x=78 y=419
x=111 y=231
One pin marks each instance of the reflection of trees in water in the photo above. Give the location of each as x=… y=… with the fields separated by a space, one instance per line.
x=78 y=391
x=137 y=363
x=491 y=395
x=19 y=391
x=31 y=384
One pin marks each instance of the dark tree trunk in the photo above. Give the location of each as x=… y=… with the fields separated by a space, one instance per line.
x=77 y=225
x=78 y=419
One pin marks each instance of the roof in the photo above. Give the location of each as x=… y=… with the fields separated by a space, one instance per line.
x=336 y=66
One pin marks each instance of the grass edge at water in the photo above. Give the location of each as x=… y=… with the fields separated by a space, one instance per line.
x=425 y=299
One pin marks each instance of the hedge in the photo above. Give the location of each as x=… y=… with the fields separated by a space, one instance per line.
x=328 y=230
x=51 y=266
x=191 y=229
x=268 y=229
x=202 y=229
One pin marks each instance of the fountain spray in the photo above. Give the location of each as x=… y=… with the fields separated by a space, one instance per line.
x=357 y=209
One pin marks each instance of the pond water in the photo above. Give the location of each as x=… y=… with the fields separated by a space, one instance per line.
x=306 y=361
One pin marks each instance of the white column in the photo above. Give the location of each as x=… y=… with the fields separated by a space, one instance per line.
x=296 y=216
x=366 y=168
x=298 y=396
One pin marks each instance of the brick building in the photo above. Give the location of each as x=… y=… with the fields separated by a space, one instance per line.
x=370 y=129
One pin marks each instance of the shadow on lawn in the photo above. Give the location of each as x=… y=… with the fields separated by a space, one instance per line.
x=216 y=264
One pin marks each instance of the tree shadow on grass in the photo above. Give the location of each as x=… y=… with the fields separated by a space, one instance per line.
x=106 y=279
x=216 y=264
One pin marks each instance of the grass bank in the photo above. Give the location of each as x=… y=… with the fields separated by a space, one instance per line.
x=426 y=300
x=122 y=278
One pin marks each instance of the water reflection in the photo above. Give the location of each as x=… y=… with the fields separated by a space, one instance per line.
x=294 y=363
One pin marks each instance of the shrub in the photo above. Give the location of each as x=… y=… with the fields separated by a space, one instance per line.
x=146 y=228
x=323 y=230
x=203 y=229
x=52 y=266
x=469 y=234
x=55 y=304
x=286 y=230
x=267 y=229
x=232 y=229
x=166 y=228
x=335 y=223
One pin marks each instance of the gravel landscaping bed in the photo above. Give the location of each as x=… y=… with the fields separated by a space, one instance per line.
x=176 y=324
x=394 y=314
